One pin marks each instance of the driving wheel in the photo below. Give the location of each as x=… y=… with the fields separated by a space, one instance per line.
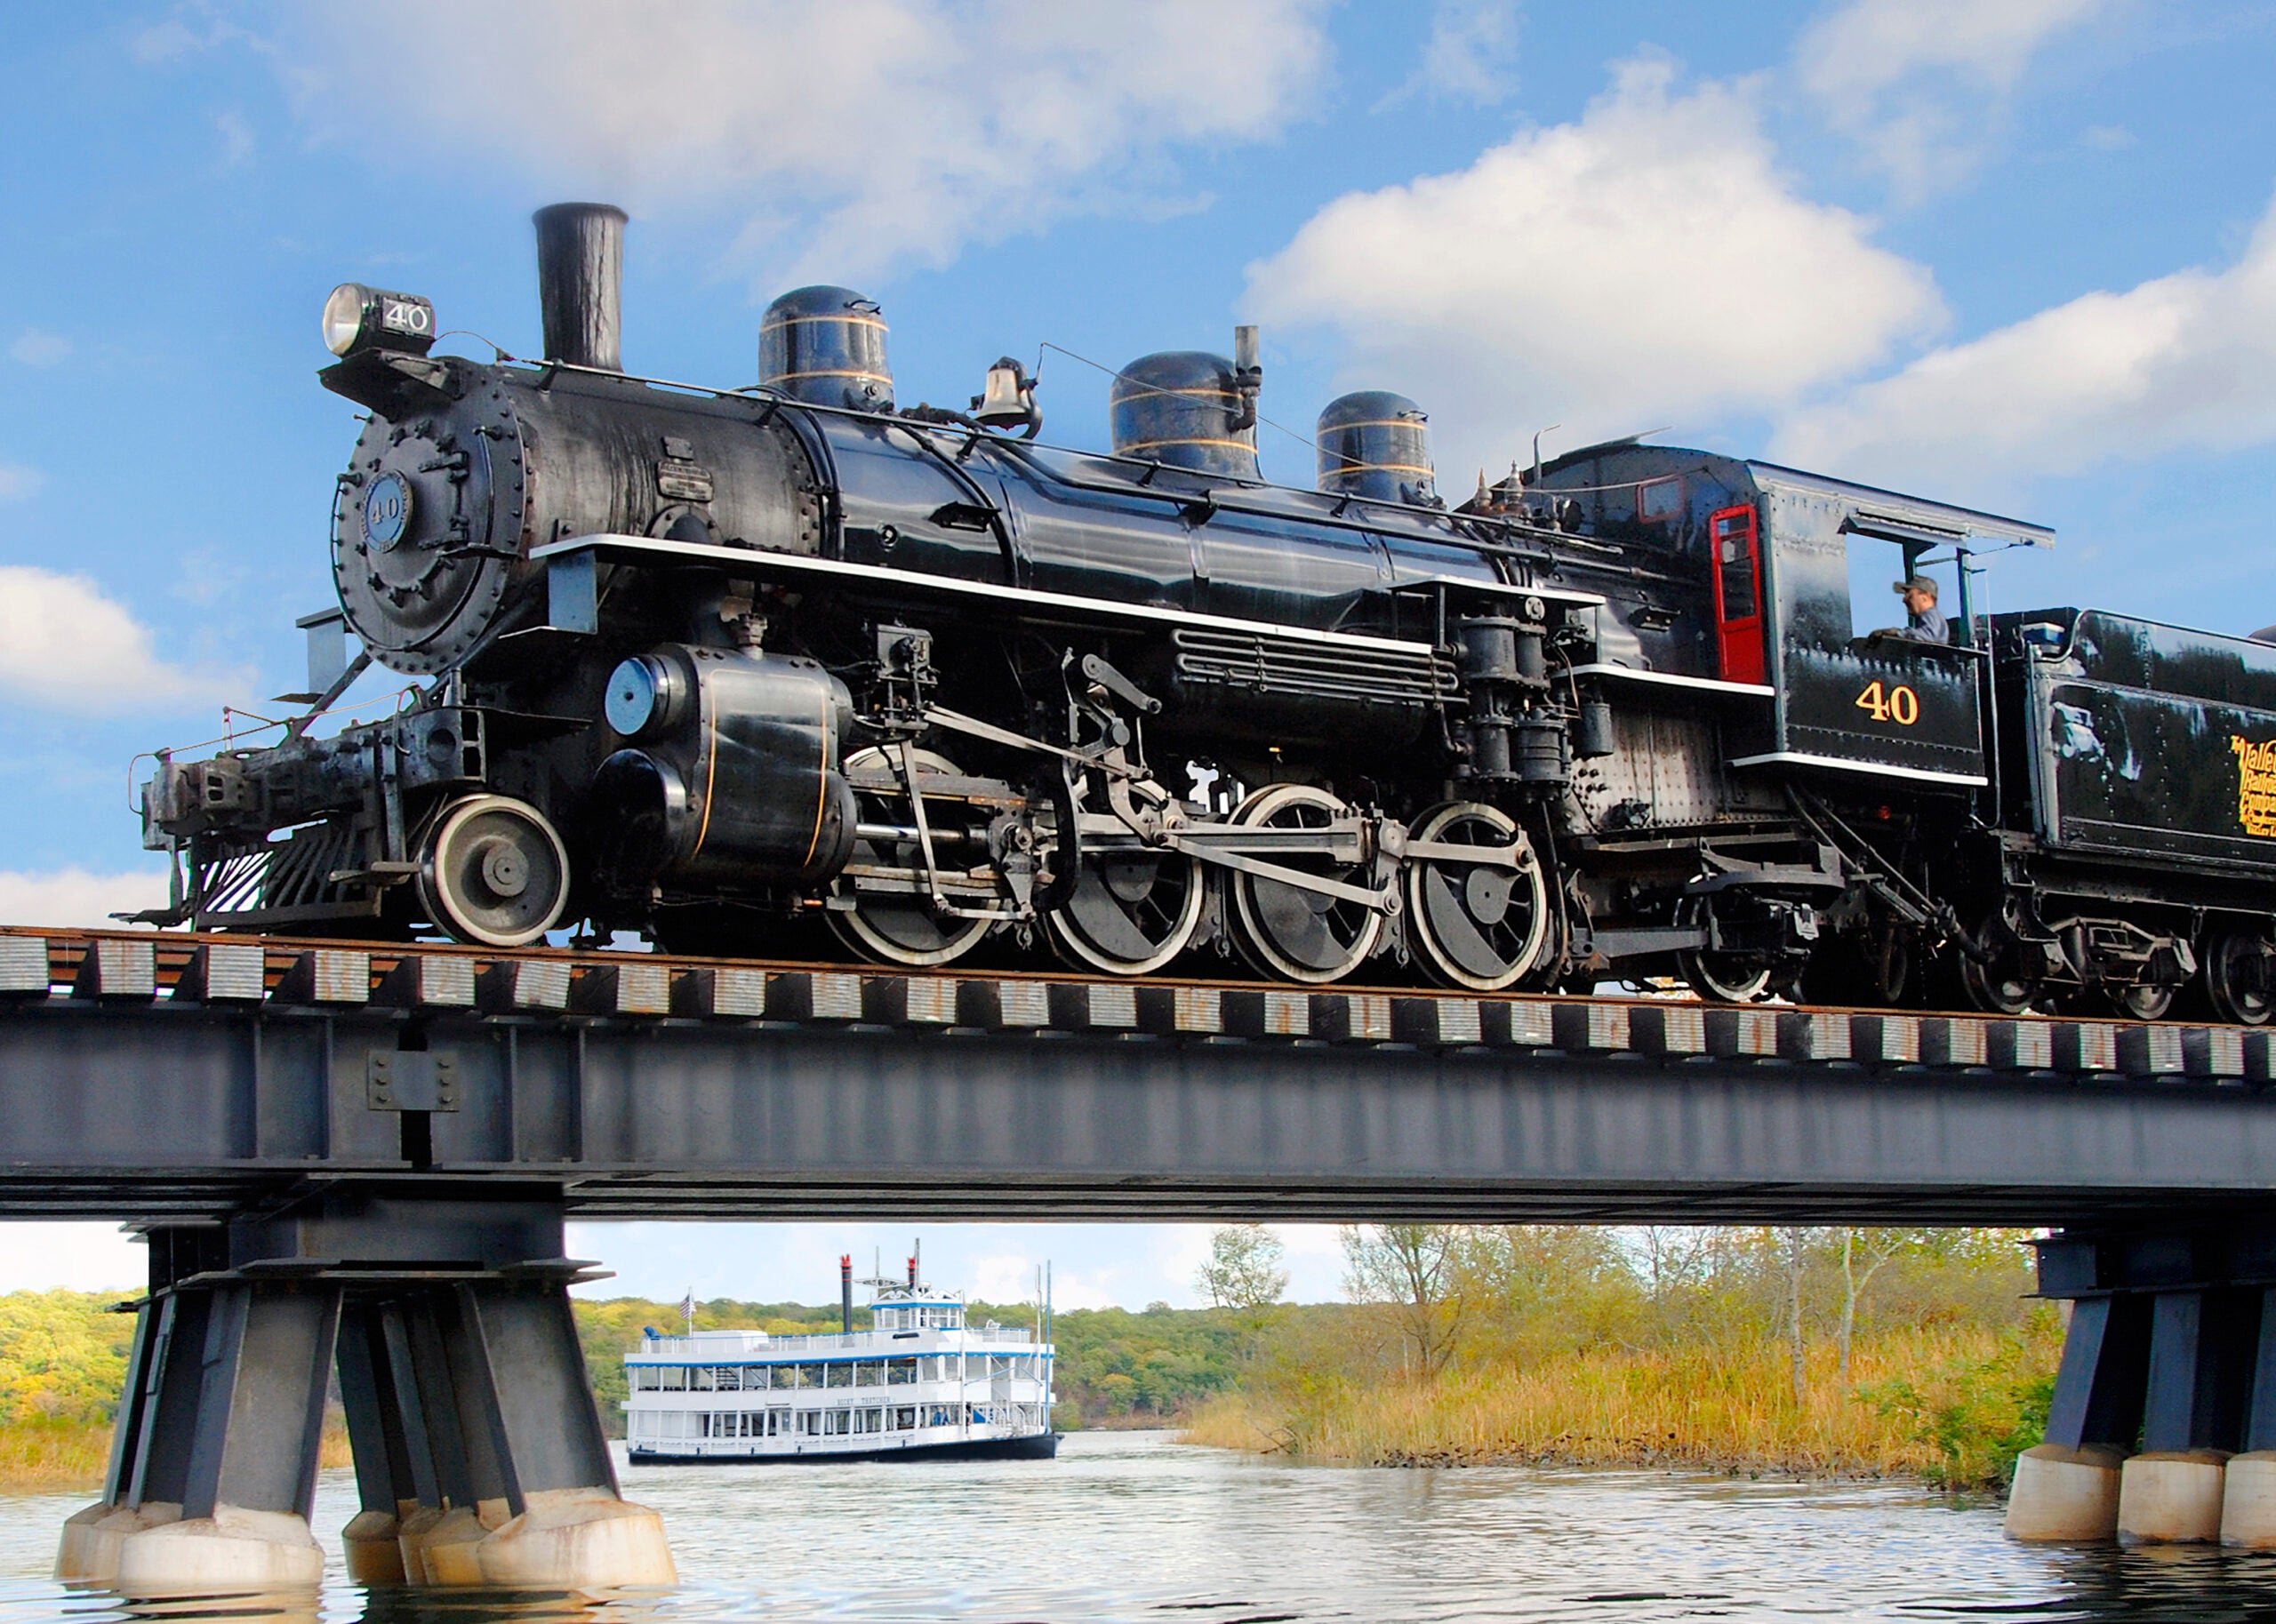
x=1478 y=924
x=1288 y=932
x=899 y=927
x=495 y=872
x=1131 y=911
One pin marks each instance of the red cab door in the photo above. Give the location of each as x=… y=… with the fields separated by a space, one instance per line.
x=1738 y=593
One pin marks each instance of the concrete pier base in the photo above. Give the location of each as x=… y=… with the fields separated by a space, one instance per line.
x=479 y=1456
x=2065 y=1495
x=2248 y=1501
x=578 y=1539
x=2172 y=1497
x=233 y=1550
x=372 y=1544
x=92 y=1538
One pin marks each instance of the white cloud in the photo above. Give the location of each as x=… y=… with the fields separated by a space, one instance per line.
x=63 y=644
x=37 y=348
x=78 y=1257
x=2186 y=360
x=1649 y=264
x=1470 y=55
x=75 y=897
x=18 y=482
x=853 y=136
x=1918 y=81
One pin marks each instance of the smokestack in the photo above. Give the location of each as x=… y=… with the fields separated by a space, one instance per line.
x=581 y=283
x=912 y=1274
x=846 y=1291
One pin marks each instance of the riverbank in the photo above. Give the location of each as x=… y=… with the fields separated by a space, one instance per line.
x=1951 y=1406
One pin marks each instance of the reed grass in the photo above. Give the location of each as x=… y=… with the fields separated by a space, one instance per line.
x=42 y=1453
x=1714 y=1408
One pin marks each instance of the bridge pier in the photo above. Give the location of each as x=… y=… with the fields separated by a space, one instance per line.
x=479 y=1456
x=2162 y=1427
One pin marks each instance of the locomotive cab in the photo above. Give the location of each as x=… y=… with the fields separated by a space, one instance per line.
x=1848 y=700
x=1774 y=629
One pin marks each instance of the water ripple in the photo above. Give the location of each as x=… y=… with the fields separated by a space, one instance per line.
x=1129 y=1527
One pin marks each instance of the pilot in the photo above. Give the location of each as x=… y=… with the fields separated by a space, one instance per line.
x=1925 y=622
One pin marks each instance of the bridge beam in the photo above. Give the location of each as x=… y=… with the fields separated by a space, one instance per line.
x=480 y=1458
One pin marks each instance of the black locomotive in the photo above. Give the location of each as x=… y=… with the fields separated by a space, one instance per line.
x=728 y=668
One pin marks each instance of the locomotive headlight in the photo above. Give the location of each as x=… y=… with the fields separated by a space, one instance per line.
x=357 y=318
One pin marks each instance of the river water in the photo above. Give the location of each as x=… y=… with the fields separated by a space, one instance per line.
x=1131 y=1527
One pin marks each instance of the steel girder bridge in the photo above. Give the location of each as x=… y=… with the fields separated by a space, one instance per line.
x=363 y=1158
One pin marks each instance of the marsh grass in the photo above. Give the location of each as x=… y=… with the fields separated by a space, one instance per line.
x=46 y=1453
x=1949 y=1405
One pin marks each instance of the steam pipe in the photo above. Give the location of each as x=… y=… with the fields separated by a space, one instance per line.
x=846 y=1292
x=581 y=283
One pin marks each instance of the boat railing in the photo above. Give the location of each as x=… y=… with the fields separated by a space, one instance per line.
x=700 y=1350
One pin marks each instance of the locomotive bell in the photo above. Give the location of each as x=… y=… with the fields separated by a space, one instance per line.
x=1008 y=400
x=1376 y=445
x=826 y=346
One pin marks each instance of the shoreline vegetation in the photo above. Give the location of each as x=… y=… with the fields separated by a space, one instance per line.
x=1806 y=1352
x=1817 y=1352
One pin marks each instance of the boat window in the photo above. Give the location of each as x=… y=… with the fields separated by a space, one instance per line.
x=778 y=1423
x=755 y=1378
x=646 y=1379
x=675 y=1378
x=900 y=1372
x=699 y=1378
x=809 y=1376
x=810 y=1422
x=838 y=1373
x=728 y=1379
x=869 y=1373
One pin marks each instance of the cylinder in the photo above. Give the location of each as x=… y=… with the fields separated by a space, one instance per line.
x=1179 y=408
x=826 y=346
x=1376 y=445
x=581 y=283
x=846 y=1292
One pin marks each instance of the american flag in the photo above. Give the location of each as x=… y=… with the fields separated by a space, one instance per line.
x=687 y=1308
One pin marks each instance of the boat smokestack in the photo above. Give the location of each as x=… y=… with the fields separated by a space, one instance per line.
x=912 y=1274
x=581 y=283
x=846 y=1292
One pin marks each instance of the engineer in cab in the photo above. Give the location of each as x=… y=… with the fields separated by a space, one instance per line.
x=1924 y=621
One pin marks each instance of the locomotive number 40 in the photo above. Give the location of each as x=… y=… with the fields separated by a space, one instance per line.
x=1899 y=704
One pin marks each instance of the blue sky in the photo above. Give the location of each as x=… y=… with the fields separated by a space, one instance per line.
x=2014 y=252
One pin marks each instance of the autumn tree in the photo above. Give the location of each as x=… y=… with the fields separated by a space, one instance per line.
x=1412 y=1270
x=1243 y=1275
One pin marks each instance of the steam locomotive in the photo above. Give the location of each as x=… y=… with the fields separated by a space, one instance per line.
x=753 y=671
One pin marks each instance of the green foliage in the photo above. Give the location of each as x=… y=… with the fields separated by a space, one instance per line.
x=62 y=1357
x=1979 y=1414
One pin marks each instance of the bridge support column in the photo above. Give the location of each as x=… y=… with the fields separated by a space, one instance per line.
x=2158 y=1388
x=479 y=1456
x=2066 y=1488
x=2201 y=1346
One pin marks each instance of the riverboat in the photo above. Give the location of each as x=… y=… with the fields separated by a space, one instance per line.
x=919 y=1384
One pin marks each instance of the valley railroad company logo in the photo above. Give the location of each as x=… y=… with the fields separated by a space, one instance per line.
x=2256 y=785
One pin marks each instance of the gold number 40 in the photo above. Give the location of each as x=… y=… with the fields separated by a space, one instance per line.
x=1899 y=704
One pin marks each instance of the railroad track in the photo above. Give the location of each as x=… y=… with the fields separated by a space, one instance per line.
x=41 y=965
